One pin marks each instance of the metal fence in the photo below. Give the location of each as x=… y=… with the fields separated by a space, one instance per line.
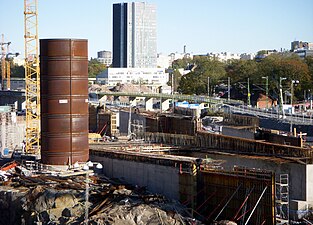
x=291 y=118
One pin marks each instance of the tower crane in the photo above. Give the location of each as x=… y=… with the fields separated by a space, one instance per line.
x=5 y=65
x=32 y=77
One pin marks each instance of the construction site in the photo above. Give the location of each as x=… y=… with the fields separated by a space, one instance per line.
x=69 y=160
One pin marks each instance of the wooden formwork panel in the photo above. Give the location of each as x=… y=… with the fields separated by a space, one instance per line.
x=163 y=124
x=151 y=124
x=92 y=118
x=241 y=120
x=182 y=126
x=174 y=139
x=232 y=196
x=103 y=119
x=240 y=145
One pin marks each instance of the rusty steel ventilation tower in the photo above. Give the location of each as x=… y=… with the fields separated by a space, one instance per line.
x=64 y=101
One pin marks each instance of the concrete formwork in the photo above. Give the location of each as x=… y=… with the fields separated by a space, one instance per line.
x=157 y=174
x=299 y=179
x=209 y=142
x=241 y=120
x=234 y=194
x=185 y=180
x=245 y=146
x=297 y=162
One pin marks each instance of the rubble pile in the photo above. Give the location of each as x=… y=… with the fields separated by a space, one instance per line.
x=132 y=88
x=98 y=88
x=47 y=199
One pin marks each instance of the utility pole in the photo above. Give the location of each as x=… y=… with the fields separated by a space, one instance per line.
x=293 y=82
x=208 y=86
x=281 y=102
x=130 y=120
x=228 y=86
x=249 y=94
x=172 y=83
x=266 y=86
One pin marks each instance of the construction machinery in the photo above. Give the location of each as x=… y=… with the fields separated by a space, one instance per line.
x=32 y=77
x=5 y=63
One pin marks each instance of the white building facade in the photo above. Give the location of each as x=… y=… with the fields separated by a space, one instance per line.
x=224 y=56
x=105 y=57
x=148 y=76
x=247 y=56
x=166 y=61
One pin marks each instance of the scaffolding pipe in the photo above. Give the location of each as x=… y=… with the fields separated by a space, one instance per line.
x=190 y=197
x=256 y=205
x=206 y=200
x=307 y=221
x=227 y=202
x=244 y=202
x=216 y=208
x=243 y=214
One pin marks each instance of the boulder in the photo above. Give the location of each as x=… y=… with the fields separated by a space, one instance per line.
x=66 y=200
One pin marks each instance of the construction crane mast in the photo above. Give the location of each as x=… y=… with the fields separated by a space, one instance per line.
x=32 y=77
x=5 y=65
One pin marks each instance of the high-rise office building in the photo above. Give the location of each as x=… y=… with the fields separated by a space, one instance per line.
x=134 y=35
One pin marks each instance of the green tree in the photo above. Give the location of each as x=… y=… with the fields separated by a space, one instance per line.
x=274 y=67
x=290 y=67
x=241 y=70
x=309 y=61
x=187 y=84
x=18 y=71
x=181 y=63
x=196 y=82
x=176 y=78
x=95 y=67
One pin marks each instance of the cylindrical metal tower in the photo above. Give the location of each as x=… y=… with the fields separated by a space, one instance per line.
x=64 y=101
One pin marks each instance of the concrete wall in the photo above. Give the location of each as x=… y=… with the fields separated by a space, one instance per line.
x=279 y=139
x=242 y=133
x=274 y=124
x=241 y=120
x=156 y=178
x=298 y=183
x=124 y=119
x=309 y=182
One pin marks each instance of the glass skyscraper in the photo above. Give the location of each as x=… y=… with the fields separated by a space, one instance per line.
x=134 y=35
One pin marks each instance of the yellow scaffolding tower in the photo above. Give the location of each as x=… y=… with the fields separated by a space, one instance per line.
x=3 y=64
x=32 y=77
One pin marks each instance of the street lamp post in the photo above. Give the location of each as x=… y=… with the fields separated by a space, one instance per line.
x=249 y=94
x=208 y=86
x=281 y=102
x=293 y=82
x=266 y=84
x=86 y=168
x=228 y=87
x=172 y=83
x=310 y=98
